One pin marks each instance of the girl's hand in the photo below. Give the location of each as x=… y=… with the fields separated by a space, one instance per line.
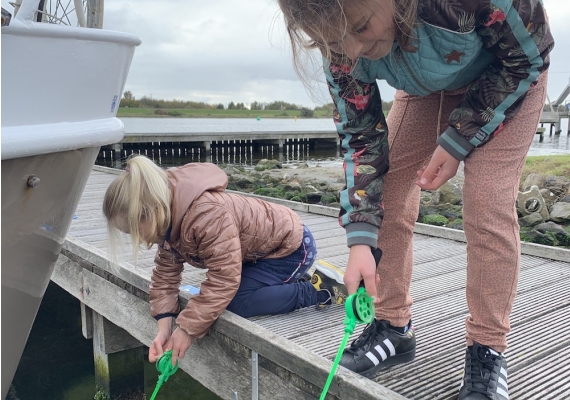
x=361 y=266
x=179 y=343
x=163 y=336
x=440 y=169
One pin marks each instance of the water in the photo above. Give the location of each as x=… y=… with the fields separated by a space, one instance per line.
x=247 y=157
x=57 y=362
x=171 y=125
x=552 y=145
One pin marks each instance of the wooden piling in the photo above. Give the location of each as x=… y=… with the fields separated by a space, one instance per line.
x=119 y=360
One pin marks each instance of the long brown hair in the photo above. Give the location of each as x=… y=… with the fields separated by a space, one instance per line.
x=320 y=17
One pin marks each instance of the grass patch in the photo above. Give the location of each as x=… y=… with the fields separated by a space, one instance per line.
x=435 y=219
x=215 y=113
x=558 y=165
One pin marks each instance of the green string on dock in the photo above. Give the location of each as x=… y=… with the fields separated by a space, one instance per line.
x=359 y=308
x=166 y=369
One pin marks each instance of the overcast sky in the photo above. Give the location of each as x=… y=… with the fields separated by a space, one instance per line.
x=219 y=51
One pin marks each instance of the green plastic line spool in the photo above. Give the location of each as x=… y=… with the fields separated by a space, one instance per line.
x=359 y=308
x=166 y=369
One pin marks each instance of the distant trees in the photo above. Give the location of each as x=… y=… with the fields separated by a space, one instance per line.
x=130 y=101
x=238 y=106
x=307 y=112
x=281 y=105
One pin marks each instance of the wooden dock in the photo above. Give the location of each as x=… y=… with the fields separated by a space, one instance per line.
x=290 y=356
x=249 y=136
x=211 y=144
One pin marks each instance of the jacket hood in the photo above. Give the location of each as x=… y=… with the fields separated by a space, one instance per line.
x=187 y=183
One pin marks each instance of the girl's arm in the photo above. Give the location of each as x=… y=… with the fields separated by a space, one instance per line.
x=361 y=126
x=165 y=283
x=219 y=248
x=518 y=34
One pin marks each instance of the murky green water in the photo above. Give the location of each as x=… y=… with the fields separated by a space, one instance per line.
x=58 y=361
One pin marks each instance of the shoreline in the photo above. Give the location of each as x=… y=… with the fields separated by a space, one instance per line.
x=219 y=116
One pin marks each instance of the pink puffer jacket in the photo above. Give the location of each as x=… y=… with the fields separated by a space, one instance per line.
x=216 y=230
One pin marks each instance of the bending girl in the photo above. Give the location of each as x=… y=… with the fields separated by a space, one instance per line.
x=256 y=253
x=471 y=79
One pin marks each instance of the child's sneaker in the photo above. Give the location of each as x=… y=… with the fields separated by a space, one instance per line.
x=379 y=346
x=485 y=376
x=327 y=277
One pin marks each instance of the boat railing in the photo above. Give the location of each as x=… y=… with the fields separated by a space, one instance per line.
x=80 y=13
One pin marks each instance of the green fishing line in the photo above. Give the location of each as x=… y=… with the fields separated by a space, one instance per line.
x=359 y=308
x=166 y=369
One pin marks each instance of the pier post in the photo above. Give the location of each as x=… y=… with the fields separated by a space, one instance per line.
x=118 y=148
x=281 y=144
x=208 y=149
x=86 y=321
x=119 y=360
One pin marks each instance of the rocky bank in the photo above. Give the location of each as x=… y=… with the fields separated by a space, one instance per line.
x=543 y=203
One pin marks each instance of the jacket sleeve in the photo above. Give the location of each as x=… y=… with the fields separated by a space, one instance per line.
x=518 y=34
x=219 y=247
x=165 y=283
x=363 y=133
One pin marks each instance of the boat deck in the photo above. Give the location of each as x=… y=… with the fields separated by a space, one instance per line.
x=304 y=342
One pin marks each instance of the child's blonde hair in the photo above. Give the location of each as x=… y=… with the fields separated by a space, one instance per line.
x=139 y=195
x=323 y=17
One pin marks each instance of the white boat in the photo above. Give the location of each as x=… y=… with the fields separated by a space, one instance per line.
x=61 y=87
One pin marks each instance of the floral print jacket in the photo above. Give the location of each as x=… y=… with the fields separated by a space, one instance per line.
x=497 y=48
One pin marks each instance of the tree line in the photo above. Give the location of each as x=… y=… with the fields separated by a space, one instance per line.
x=129 y=101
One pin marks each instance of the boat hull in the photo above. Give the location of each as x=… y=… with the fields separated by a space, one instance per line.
x=61 y=87
x=35 y=221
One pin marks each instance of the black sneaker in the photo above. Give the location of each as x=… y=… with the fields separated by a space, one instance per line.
x=485 y=375
x=327 y=277
x=379 y=346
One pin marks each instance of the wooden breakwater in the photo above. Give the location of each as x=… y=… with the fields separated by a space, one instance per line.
x=231 y=147
x=289 y=356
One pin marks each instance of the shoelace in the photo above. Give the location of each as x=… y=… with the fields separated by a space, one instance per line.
x=367 y=335
x=481 y=366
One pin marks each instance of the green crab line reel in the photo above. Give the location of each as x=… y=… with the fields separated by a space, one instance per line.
x=166 y=369
x=359 y=309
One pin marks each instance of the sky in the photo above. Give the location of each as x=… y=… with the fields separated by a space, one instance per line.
x=219 y=51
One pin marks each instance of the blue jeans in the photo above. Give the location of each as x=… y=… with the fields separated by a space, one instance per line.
x=272 y=286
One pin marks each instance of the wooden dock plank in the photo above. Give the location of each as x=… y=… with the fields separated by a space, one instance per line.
x=298 y=347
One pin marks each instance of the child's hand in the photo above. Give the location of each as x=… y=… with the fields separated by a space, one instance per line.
x=361 y=266
x=162 y=337
x=179 y=342
x=440 y=169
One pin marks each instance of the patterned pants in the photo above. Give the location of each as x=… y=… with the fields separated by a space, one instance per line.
x=492 y=174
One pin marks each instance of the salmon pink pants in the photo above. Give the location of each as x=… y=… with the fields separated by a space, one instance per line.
x=492 y=174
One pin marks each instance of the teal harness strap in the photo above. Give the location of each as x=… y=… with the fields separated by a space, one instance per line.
x=166 y=369
x=359 y=308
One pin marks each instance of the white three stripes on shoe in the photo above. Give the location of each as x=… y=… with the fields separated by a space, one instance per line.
x=503 y=383
x=380 y=352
